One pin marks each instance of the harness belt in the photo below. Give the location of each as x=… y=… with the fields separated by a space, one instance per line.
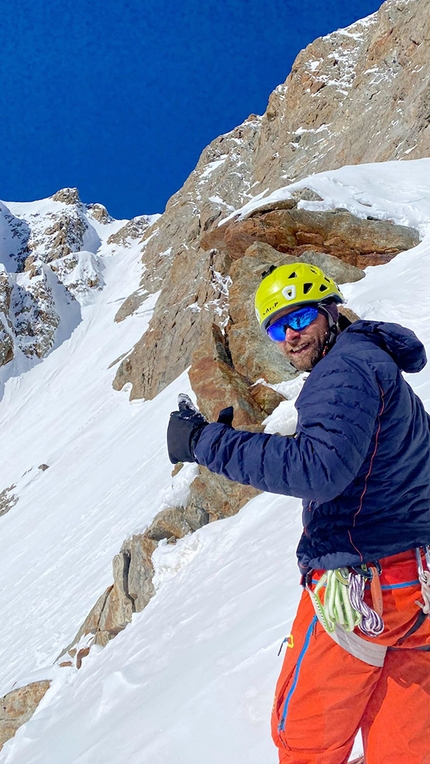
x=360 y=648
x=344 y=608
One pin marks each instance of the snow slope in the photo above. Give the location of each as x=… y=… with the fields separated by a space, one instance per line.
x=192 y=678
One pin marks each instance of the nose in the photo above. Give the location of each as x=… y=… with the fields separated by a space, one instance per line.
x=291 y=334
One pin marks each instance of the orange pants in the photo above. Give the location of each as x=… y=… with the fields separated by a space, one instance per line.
x=324 y=695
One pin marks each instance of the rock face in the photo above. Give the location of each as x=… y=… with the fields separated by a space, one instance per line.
x=6 y=330
x=372 y=73
x=130 y=593
x=18 y=706
x=360 y=242
x=133 y=229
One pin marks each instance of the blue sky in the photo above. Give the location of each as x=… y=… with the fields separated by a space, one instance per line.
x=120 y=97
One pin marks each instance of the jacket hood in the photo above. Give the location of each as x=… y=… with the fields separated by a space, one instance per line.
x=402 y=344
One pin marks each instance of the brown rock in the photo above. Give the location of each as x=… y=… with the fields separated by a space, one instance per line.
x=118 y=608
x=131 y=592
x=99 y=213
x=348 y=313
x=133 y=229
x=266 y=398
x=67 y=196
x=357 y=241
x=6 y=330
x=216 y=496
x=81 y=654
x=197 y=292
x=6 y=344
x=217 y=384
x=131 y=304
x=169 y=524
x=89 y=626
x=18 y=706
x=141 y=570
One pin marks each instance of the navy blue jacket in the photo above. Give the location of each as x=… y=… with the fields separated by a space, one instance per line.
x=360 y=459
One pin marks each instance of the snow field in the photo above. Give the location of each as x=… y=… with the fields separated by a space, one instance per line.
x=192 y=678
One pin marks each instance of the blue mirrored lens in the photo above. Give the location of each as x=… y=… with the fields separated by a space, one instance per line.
x=297 y=320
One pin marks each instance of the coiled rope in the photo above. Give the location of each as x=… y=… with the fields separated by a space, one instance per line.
x=344 y=603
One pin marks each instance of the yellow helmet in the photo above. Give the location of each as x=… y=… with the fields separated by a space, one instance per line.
x=297 y=284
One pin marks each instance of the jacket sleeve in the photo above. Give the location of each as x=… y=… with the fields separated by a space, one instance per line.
x=338 y=408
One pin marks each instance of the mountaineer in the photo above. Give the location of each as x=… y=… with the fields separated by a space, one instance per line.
x=358 y=656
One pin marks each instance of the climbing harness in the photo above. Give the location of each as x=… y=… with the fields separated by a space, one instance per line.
x=342 y=607
x=424 y=578
x=344 y=603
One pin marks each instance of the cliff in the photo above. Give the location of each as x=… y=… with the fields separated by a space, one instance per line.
x=357 y=95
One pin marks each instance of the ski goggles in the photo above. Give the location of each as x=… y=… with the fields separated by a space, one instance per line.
x=297 y=320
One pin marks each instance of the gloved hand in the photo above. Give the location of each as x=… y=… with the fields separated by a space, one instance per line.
x=184 y=429
x=226 y=416
x=185 y=426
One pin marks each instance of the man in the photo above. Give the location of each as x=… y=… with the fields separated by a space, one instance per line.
x=358 y=653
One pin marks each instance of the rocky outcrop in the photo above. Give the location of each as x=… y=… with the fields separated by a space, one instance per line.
x=7 y=499
x=360 y=242
x=372 y=73
x=197 y=292
x=99 y=213
x=217 y=497
x=18 y=706
x=6 y=330
x=131 y=304
x=133 y=229
x=181 y=329
x=211 y=497
x=218 y=384
x=80 y=272
x=62 y=231
x=130 y=593
x=67 y=196
x=35 y=317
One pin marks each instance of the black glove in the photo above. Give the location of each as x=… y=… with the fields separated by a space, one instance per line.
x=226 y=416
x=185 y=427
x=184 y=430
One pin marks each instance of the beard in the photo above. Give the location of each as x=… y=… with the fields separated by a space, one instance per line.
x=307 y=354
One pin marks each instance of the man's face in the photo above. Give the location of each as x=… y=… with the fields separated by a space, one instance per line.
x=305 y=348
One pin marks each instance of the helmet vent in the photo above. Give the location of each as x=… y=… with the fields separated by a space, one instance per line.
x=307 y=287
x=323 y=288
x=293 y=275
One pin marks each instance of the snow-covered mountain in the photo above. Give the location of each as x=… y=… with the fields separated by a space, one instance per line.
x=52 y=255
x=102 y=324
x=192 y=676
